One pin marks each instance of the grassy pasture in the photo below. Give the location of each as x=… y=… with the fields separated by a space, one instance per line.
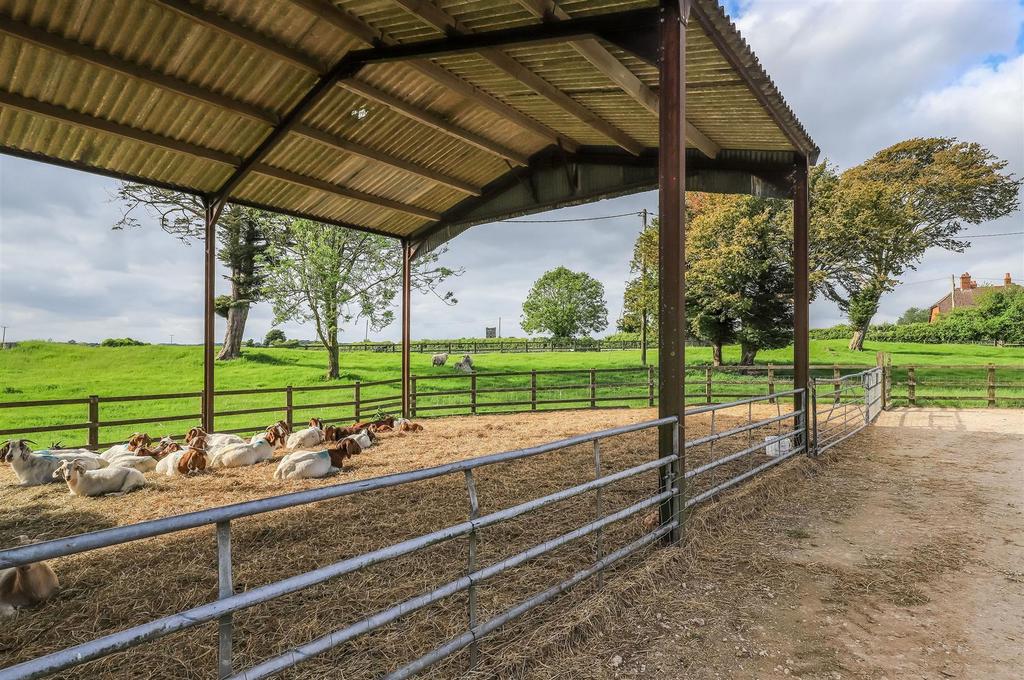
x=44 y=371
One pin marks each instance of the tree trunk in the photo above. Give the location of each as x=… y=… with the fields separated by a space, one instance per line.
x=857 y=341
x=232 y=347
x=747 y=354
x=716 y=353
x=333 y=362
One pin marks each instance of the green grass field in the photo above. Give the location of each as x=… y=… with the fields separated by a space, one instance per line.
x=46 y=371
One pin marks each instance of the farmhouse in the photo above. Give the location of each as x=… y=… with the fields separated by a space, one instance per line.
x=965 y=296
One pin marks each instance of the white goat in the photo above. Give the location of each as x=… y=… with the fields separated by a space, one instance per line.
x=307 y=438
x=364 y=439
x=305 y=465
x=214 y=440
x=140 y=463
x=261 y=448
x=109 y=480
x=129 y=448
x=33 y=469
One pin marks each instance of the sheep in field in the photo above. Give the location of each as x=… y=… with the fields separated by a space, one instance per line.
x=26 y=586
x=439 y=359
x=464 y=365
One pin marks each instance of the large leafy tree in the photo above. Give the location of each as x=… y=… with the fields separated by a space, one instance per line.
x=243 y=237
x=566 y=304
x=740 y=274
x=907 y=198
x=332 y=276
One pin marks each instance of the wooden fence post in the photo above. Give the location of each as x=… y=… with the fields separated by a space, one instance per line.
x=412 y=396
x=707 y=385
x=991 y=386
x=533 y=389
x=771 y=382
x=836 y=393
x=472 y=392
x=650 y=385
x=593 y=388
x=289 y=411
x=357 y=397
x=94 y=421
x=911 y=386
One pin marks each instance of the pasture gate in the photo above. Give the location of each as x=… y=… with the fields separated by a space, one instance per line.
x=723 y=458
x=844 y=406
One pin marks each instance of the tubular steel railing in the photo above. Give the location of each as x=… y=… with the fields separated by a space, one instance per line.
x=790 y=430
x=722 y=458
x=221 y=610
x=844 y=406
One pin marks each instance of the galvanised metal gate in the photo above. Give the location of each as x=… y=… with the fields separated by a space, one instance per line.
x=842 y=407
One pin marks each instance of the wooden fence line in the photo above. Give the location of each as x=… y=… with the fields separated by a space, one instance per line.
x=424 y=398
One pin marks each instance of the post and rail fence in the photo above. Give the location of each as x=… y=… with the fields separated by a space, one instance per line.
x=488 y=393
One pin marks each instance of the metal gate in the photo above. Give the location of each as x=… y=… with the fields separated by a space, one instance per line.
x=842 y=407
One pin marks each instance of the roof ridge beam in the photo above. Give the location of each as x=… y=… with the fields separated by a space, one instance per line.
x=433 y=15
x=606 y=62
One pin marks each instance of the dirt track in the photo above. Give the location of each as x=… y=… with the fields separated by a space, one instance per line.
x=901 y=557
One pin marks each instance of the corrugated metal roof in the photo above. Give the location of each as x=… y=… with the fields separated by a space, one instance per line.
x=180 y=93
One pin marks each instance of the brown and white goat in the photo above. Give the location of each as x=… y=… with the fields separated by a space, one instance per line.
x=26 y=586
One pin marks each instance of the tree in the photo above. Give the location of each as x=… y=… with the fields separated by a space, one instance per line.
x=889 y=210
x=243 y=239
x=740 y=274
x=331 y=276
x=566 y=304
x=274 y=335
x=914 y=315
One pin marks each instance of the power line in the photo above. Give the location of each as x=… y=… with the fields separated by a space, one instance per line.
x=1008 y=233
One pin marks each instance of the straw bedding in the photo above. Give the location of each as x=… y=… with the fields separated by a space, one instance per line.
x=113 y=589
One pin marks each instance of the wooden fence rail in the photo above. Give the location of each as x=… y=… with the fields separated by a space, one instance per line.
x=475 y=393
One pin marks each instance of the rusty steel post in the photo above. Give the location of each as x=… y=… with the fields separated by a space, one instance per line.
x=406 y=323
x=671 y=233
x=212 y=210
x=801 y=290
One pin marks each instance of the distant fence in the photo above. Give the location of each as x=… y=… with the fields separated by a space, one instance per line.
x=100 y=421
x=497 y=346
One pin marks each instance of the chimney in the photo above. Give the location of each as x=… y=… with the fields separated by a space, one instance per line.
x=965 y=281
x=1006 y=279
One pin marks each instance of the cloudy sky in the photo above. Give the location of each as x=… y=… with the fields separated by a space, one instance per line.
x=861 y=74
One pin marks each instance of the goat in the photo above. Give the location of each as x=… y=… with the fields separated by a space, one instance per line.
x=26 y=586
x=143 y=463
x=439 y=359
x=164 y=447
x=239 y=455
x=364 y=439
x=316 y=464
x=281 y=432
x=171 y=464
x=214 y=440
x=138 y=440
x=34 y=469
x=307 y=438
x=110 y=480
x=383 y=425
x=406 y=425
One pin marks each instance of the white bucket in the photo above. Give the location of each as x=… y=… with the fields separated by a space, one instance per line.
x=777 y=448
